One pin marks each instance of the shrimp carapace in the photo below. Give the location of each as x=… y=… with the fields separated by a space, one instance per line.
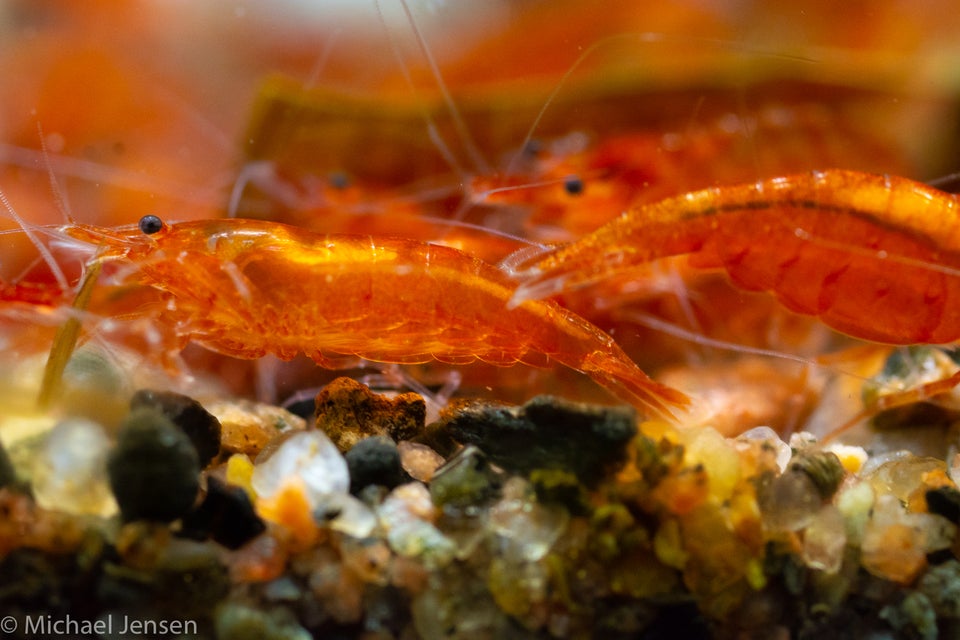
x=248 y=288
x=875 y=257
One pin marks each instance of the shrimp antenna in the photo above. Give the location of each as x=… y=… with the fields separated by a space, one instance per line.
x=497 y=233
x=676 y=331
x=55 y=269
x=260 y=171
x=949 y=183
x=94 y=172
x=432 y=130
x=644 y=37
x=58 y=194
x=314 y=76
x=458 y=121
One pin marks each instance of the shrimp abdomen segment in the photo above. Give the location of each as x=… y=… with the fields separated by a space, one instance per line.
x=876 y=257
x=891 y=295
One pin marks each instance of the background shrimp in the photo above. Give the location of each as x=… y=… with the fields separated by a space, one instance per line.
x=872 y=256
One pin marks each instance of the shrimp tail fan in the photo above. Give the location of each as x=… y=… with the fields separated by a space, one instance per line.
x=630 y=383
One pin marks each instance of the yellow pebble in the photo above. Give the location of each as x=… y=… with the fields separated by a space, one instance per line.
x=668 y=546
x=852 y=458
x=754 y=574
x=240 y=472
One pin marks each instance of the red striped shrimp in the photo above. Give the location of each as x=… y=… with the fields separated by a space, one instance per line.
x=875 y=257
x=249 y=288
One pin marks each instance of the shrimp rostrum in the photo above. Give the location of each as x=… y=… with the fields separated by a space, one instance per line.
x=249 y=288
x=875 y=257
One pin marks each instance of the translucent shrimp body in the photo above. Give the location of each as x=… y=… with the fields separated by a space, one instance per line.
x=876 y=257
x=249 y=288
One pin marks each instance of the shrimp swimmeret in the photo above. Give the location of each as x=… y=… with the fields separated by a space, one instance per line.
x=876 y=257
x=249 y=288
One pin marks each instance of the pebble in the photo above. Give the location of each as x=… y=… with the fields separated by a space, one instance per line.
x=941 y=584
x=953 y=466
x=855 y=502
x=368 y=558
x=944 y=501
x=913 y=617
x=246 y=427
x=879 y=459
x=790 y=501
x=461 y=607
x=283 y=589
x=153 y=468
x=69 y=472
x=339 y=589
x=309 y=457
x=348 y=411
x=823 y=467
x=375 y=460
x=526 y=528
x=466 y=480
x=240 y=622
x=348 y=515
x=901 y=475
x=201 y=426
x=556 y=486
x=824 y=540
x=547 y=432
x=768 y=435
x=419 y=460
x=407 y=515
x=226 y=515
x=239 y=472
x=892 y=546
x=851 y=458
x=717 y=456
x=303 y=482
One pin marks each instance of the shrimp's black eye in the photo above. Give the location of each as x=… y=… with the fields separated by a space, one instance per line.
x=532 y=148
x=150 y=224
x=573 y=185
x=339 y=180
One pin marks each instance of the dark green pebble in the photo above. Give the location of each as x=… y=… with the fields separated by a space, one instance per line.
x=944 y=501
x=560 y=487
x=201 y=426
x=590 y=441
x=374 y=461
x=153 y=468
x=822 y=467
x=225 y=515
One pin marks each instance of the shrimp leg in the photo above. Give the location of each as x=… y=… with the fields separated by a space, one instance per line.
x=65 y=340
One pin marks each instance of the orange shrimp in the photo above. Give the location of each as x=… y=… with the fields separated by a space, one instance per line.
x=570 y=188
x=249 y=288
x=875 y=257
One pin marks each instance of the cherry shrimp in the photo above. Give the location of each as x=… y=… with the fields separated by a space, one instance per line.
x=248 y=288
x=574 y=185
x=874 y=257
